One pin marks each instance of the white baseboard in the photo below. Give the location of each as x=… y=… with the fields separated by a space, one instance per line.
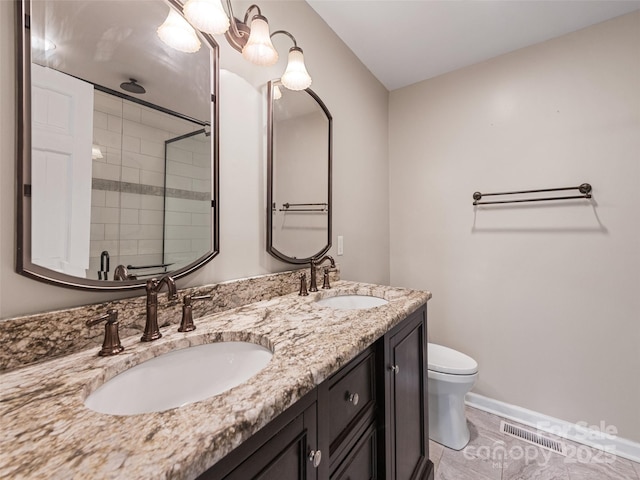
x=621 y=447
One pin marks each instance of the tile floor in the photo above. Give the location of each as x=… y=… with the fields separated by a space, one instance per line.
x=491 y=455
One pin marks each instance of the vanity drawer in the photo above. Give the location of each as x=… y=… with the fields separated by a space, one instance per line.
x=351 y=397
x=361 y=463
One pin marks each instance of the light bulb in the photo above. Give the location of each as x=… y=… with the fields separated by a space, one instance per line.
x=207 y=16
x=259 y=50
x=296 y=77
x=177 y=33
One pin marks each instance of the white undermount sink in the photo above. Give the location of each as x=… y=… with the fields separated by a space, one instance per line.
x=179 y=377
x=352 y=302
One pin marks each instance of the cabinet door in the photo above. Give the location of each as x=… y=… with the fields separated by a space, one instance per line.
x=407 y=432
x=280 y=451
x=285 y=456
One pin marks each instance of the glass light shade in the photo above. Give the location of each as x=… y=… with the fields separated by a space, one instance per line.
x=296 y=76
x=177 y=33
x=277 y=94
x=207 y=16
x=259 y=50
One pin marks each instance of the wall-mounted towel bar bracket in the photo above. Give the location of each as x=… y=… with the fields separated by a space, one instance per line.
x=584 y=189
x=144 y=267
x=296 y=207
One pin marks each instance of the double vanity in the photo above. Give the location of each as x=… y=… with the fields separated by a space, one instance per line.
x=340 y=393
x=328 y=384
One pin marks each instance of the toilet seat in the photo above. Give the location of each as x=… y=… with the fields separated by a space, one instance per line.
x=446 y=360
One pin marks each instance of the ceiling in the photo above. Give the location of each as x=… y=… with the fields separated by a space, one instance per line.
x=406 y=41
x=110 y=41
x=400 y=41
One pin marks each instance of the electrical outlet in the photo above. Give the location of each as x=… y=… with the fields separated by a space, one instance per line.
x=340 y=245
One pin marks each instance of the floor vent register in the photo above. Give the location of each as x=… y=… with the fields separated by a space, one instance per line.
x=533 y=438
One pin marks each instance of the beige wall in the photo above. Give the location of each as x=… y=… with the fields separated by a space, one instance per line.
x=546 y=297
x=358 y=103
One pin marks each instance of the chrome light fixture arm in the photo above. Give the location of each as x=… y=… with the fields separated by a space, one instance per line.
x=284 y=32
x=234 y=32
x=239 y=31
x=249 y=36
x=295 y=76
x=246 y=14
x=233 y=21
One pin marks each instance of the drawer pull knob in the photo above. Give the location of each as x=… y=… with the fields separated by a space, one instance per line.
x=353 y=398
x=315 y=457
x=394 y=368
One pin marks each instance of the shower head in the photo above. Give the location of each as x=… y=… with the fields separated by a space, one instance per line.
x=132 y=86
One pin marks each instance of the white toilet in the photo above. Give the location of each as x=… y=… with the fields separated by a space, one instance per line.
x=451 y=376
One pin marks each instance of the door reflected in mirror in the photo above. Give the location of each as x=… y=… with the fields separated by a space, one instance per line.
x=119 y=145
x=299 y=164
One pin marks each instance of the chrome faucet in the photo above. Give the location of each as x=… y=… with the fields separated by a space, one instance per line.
x=151 y=330
x=121 y=273
x=313 y=287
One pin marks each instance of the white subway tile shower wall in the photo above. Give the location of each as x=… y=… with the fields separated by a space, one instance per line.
x=127 y=221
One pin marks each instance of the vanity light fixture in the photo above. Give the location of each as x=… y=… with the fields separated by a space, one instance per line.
x=207 y=16
x=250 y=37
x=295 y=77
x=178 y=34
x=259 y=50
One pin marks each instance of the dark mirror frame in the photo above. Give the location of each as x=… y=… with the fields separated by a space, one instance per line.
x=24 y=266
x=270 y=167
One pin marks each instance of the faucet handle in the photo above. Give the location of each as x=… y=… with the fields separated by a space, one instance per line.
x=186 y=324
x=325 y=278
x=111 y=344
x=303 y=285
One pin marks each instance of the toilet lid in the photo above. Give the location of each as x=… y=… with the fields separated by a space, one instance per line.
x=446 y=360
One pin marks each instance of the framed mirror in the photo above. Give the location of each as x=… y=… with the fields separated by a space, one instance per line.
x=117 y=175
x=299 y=148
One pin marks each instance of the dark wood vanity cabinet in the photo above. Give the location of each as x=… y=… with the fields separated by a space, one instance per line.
x=286 y=449
x=406 y=452
x=367 y=421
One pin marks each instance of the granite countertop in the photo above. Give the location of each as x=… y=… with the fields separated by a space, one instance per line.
x=47 y=432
